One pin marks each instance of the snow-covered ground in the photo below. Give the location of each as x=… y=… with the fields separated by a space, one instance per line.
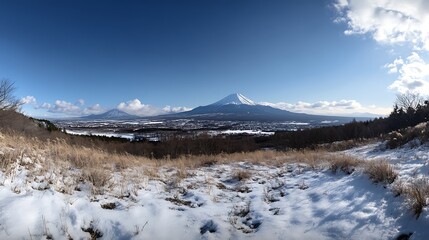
x=128 y=136
x=222 y=201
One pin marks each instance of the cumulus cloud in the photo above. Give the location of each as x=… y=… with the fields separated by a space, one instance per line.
x=387 y=21
x=61 y=106
x=70 y=109
x=81 y=102
x=136 y=107
x=413 y=75
x=28 y=100
x=393 y=67
x=94 y=109
x=342 y=107
x=394 y=22
x=44 y=106
x=169 y=109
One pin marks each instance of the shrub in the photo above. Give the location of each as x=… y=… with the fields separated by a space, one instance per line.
x=242 y=175
x=394 y=140
x=417 y=195
x=7 y=159
x=380 y=171
x=344 y=163
x=97 y=177
x=399 y=138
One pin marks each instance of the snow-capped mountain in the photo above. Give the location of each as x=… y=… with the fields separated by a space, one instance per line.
x=236 y=107
x=113 y=114
x=235 y=98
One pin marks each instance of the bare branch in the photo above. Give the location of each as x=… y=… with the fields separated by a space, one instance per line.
x=8 y=101
x=408 y=100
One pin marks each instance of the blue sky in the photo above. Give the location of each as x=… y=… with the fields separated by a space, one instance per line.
x=70 y=58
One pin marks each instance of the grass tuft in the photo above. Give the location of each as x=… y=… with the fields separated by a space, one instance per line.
x=380 y=171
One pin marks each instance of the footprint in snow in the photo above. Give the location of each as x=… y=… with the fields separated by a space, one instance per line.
x=209 y=226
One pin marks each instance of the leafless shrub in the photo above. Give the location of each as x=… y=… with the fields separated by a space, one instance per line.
x=7 y=159
x=97 y=177
x=270 y=196
x=417 y=194
x=398 y=188
x=242 y=175
x=343 y=163
x=380 y=171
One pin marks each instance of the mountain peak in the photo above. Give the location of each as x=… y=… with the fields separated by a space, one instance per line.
x=114 y=114
x=235 y=98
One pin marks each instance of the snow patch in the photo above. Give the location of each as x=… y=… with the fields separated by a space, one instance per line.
x=236 y=99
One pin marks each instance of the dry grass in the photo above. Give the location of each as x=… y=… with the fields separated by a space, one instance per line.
x=97 y=177
x=7 y=159
x=417 y=194
x=242 y=175
x=58 y=152
x=398 y=188
x=97 y=166
x=343 y=145
x=380 y=171
x=343 y=163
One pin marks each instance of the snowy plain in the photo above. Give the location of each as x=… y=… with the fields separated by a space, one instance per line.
x=291 y=201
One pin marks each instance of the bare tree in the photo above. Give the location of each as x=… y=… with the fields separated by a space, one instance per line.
x=408 y=100
x=8 y=101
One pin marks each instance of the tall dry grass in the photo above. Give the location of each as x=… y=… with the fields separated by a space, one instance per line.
x=380 y=171
x=415 y=192
x=58 y=151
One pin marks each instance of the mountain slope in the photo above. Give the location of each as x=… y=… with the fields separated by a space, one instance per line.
x=113 y=114
x=236 y=107
x=236 y=99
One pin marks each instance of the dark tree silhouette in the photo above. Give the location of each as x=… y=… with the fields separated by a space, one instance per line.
x=8 y=101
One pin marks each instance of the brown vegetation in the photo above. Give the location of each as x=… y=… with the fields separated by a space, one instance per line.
x=343 y=163
x=417 y=195
x=380 y=171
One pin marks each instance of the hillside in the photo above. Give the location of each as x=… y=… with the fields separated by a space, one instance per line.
x=55 y=190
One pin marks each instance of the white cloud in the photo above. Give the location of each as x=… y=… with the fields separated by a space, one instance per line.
x=81 y=102
x=61 y=106
x=169 y=109
x=393 y=67
x=28 y=100
x=94 y=109
x=342 y=107
x=394 y=22
x=44 y=106
x=136 y=107
x=413 y=75
x=70 y=109
x=387 y=21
